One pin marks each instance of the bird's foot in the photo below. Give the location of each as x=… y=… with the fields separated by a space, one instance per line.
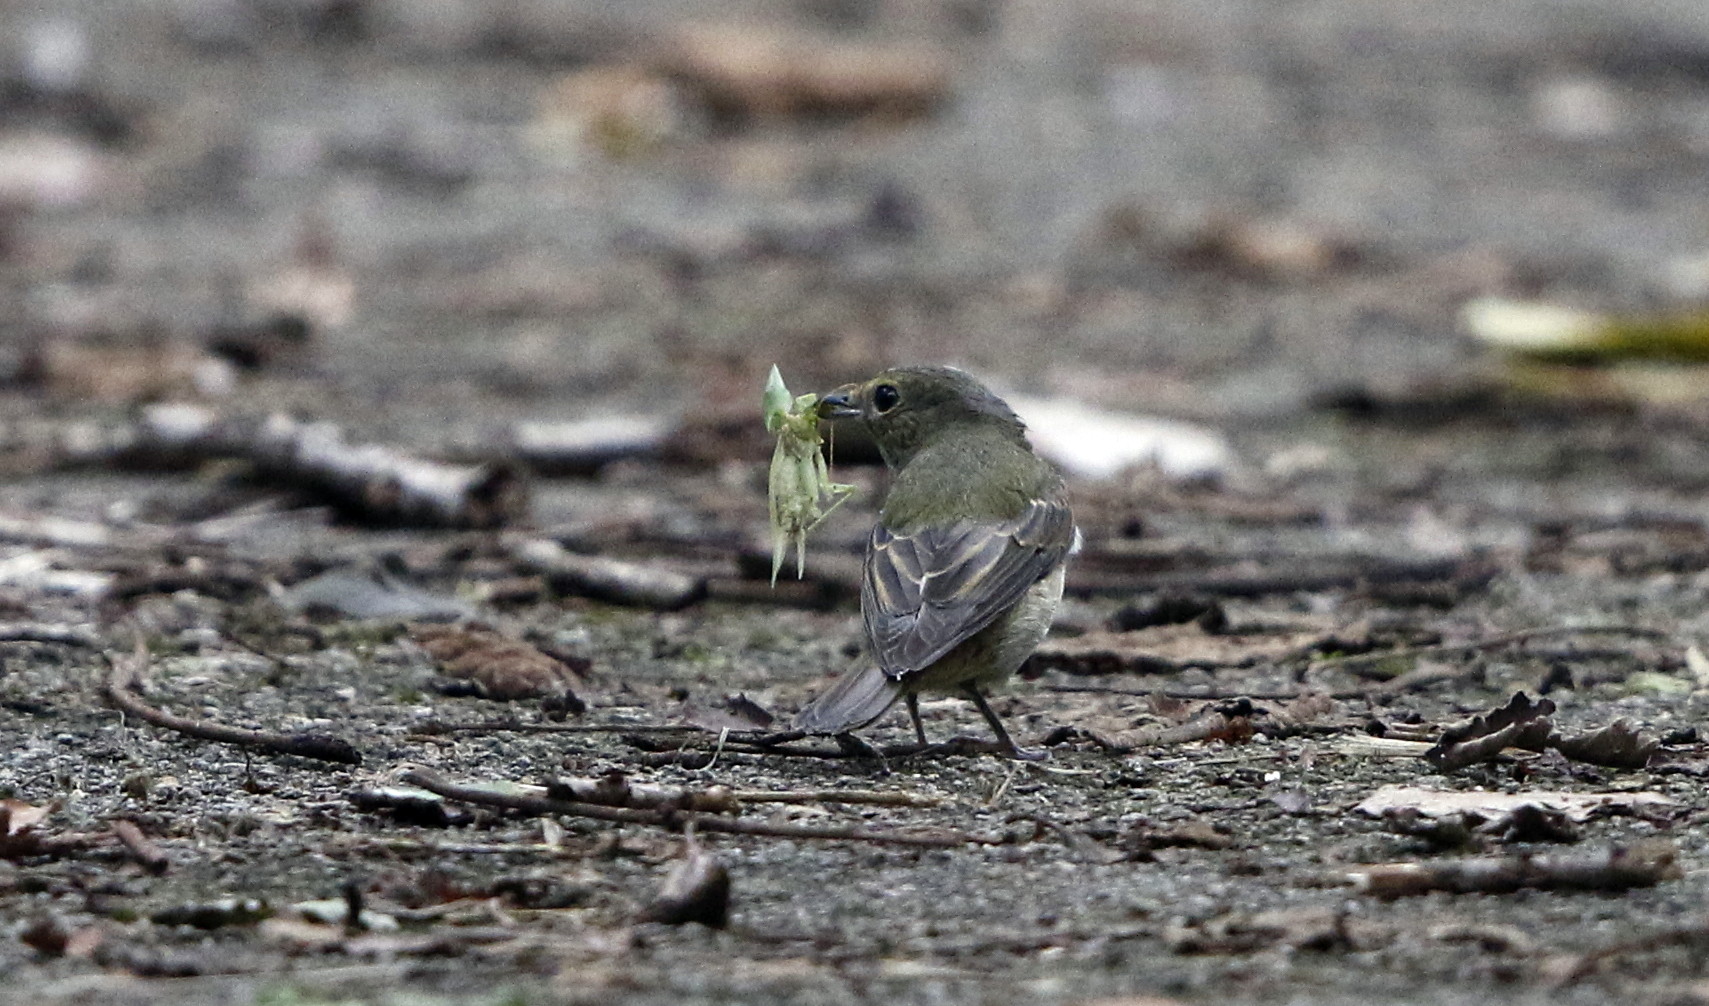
x=1019 y=753
x=983 y=745
x=1005 y=744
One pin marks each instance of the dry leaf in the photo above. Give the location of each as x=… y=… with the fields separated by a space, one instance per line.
x=498 y=667
x=1616 y=745
x=1521 y=723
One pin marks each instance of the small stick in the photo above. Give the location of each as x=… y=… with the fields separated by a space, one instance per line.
x=771 y=744
x=430 y=727
x=615 y=581
x=138 y=845
x=678 y=819
x=1643 y=864
x=400 y=844
x=121 y=681
x=866 y=797
x=1208 y=693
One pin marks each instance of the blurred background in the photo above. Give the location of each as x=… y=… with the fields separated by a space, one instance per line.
x=433 y=216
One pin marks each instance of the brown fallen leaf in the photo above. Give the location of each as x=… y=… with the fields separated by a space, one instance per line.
x=499 y=667
x=1527 y=725
x=1521 y=723
x=1616 y=745
x=1519 y=709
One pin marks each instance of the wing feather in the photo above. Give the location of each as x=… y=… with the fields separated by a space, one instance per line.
x=925 y=591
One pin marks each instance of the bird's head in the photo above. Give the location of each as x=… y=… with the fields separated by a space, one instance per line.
x=906 y=408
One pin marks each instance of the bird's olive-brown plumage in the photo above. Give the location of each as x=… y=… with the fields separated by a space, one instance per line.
x=963 y=567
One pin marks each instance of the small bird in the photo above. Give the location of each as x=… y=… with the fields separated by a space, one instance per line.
x=964 y=566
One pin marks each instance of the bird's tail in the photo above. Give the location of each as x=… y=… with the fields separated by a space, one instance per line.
x=857 y=698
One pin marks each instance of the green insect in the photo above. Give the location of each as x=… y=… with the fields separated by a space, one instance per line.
x=800 y=481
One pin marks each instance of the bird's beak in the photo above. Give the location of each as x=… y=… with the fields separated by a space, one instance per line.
x=839 y=404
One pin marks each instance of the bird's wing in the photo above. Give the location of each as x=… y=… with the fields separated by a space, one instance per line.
x=925 y=591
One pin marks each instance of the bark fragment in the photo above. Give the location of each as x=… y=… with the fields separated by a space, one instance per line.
x=1614 y=868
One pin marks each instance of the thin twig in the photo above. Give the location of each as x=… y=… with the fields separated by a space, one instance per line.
x=141 y=849
x=433 y=727
x=677 y=819
x=122 y=678
x=866 y=797
x=402 y=844
x=1208 y=693
x=772 y=745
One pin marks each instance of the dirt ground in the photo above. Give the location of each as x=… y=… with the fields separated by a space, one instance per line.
x=432 y=222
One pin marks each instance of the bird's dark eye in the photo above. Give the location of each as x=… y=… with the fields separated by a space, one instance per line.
x=885 y=397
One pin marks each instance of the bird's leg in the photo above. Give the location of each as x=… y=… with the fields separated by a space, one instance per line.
x=914 y=714
x=1012 y=749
